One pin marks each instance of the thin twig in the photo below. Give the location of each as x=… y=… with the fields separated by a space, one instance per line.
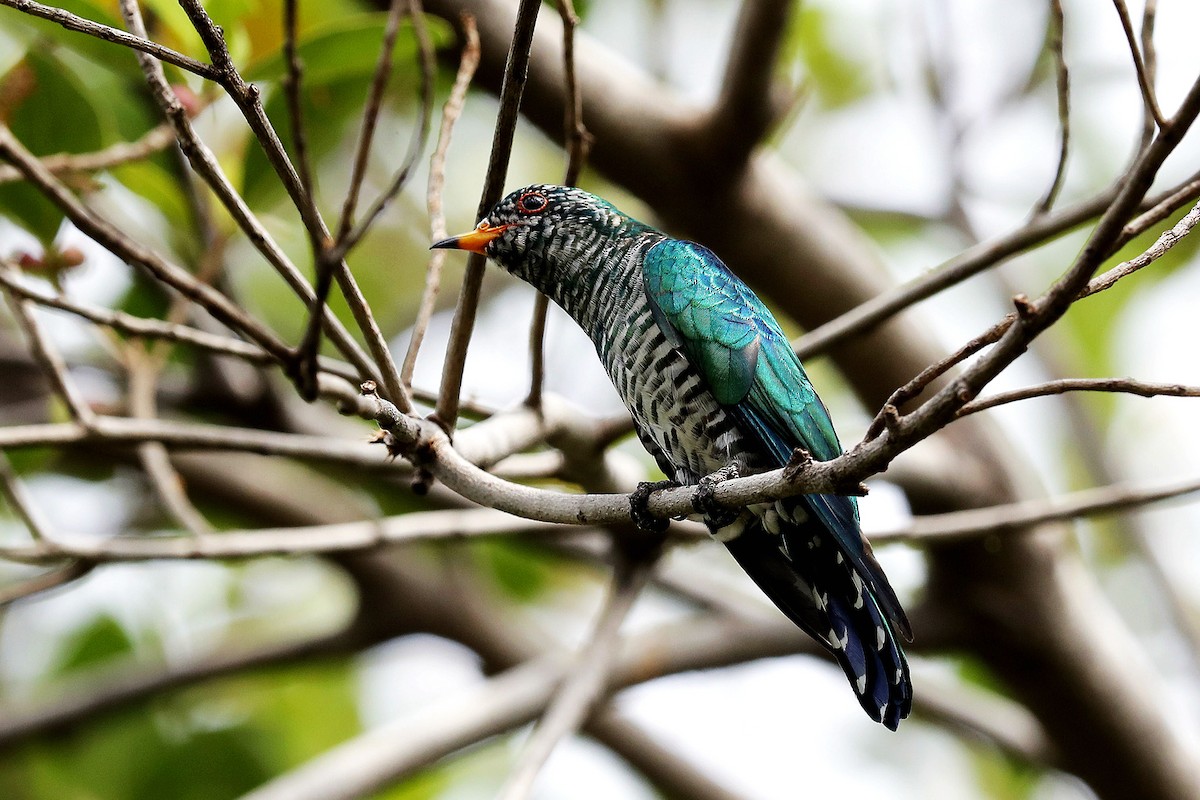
x=331 y=255
x=20 y=500
x=1100 y=283
x=153 y=141
x=1019 y=516
x=865 y=317
x=155 y=461
x=42 y=583
x=75 y=23
x=293 y=87
x=516 y=71
x=1144 y=80
x=48 y=357
x=370 y=117
x=537 y=350
x=1165 y=241
x=248 y=99
x=468 y=63
x=1150 y=60
x=149 y=328
x=673 y=775
x=585 y=684
x=326 y=253
x=1063 y=92
x=428 y=66
x=117 y=242
x=344 y=537
x=578 y=143
x=1120 y=385
x=208 y=168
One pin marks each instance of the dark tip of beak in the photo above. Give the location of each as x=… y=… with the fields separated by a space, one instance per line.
x=475 y=242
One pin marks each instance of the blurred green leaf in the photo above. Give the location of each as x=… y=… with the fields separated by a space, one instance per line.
x=158 y=185
x=349 y=48
x=47 y=36
x=427 y=785
x=144 y=298
x=519 y=573
x=202 y=766
x=28 y=208
x=168 y=24
x=298 y=713
x=1003 y=778
x=49 y=111
x=837 y=77
x=101 y=641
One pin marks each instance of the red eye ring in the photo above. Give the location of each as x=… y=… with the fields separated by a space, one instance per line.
x=532 y=203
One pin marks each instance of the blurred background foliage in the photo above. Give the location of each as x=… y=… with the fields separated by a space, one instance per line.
x=875 y=131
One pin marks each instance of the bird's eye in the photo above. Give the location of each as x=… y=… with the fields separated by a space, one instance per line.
x=532 y=202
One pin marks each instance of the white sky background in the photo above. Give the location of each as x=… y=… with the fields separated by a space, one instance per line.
x=790 y=728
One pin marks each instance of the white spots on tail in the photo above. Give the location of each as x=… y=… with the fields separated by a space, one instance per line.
x=858 y=587
x=880 y=637
x=839 y=643
x=861 y=684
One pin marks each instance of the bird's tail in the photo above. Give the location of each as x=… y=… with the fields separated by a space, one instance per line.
x=805 y=572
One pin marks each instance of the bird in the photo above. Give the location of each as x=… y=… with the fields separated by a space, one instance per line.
x=715 y=391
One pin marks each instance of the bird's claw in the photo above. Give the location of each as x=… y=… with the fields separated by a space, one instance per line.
x=715 y=515
x=639 y=506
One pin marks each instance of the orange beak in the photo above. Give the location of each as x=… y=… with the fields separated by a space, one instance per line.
x=476 y=241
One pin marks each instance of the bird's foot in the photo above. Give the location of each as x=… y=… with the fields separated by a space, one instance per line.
x=639 y=506
x=715 y=515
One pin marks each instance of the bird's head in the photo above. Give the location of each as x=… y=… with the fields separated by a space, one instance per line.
x=539 y=226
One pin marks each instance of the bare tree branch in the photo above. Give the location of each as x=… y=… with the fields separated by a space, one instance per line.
x=1017 y=516
x=156 y=462
x=52 y=579
x=1063 y=87
x=672 y=775
x=744 y=110
x=248 y=99
x=153 y=141
x=75 y=23
x=468 y=62
x=578 y=143
x=515 y=74
x=581 y=689
x=1143 y=76
x=134 y=252
x=340 y=537
x=1119 y=385
x=21 y=502
x=48 y=357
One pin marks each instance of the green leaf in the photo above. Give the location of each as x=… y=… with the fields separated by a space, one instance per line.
x=204 y=765
x=349 y=48
x=101 y=641
x=49 y=111
x=837 y=76
x=158 y=185
x=518 y=572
